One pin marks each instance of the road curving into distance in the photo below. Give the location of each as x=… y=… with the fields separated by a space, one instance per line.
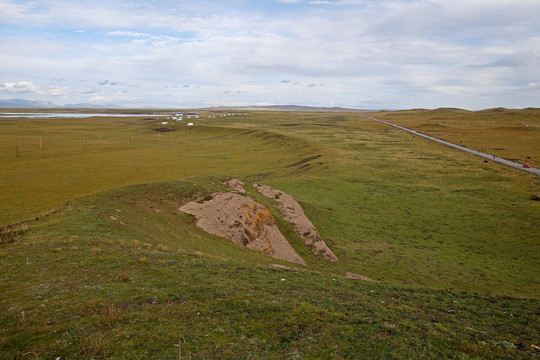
x=459 y=147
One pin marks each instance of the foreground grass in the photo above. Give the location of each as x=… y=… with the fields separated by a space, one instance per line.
x=83 y=285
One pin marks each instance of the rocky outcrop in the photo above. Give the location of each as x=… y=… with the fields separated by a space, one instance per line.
x=291 y=210
x=245 y=222
x=236 y=186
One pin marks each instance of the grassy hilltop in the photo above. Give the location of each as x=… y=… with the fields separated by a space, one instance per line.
x=107 y=267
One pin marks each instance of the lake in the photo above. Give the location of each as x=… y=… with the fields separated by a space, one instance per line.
x=70 y=115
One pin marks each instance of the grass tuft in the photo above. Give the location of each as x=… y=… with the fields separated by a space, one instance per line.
x=123 y=276
x=96 y=250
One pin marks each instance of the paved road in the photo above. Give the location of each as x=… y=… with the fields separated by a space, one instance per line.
x=463 y=148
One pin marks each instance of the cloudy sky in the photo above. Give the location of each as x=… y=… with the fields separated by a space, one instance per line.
x=373 y=54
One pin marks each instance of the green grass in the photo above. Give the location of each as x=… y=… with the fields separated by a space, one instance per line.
x=119 y=272
x=91 y=289
x=43 y=179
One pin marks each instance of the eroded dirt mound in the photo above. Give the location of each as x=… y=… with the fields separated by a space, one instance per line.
x=245 y=222
x=292 y=211
x=236 y=185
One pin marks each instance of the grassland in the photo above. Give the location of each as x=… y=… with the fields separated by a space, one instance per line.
x=117 y=272
x=507 y=133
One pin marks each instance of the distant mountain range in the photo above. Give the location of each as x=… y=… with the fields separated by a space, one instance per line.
x=22 y=103
x=26 y=103
x=288 y=108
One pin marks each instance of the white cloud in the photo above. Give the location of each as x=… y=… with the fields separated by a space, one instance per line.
x=127 y=33
x=119 y=96
x=59 y=91
x=21 y=87
x=16 y=10
x=357 y=48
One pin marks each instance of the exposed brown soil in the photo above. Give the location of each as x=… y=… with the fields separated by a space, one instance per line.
x=293 y=212
x=244 y=221
x=163 y=129
x=234 y=216
x=358 y=276
x=236 y=185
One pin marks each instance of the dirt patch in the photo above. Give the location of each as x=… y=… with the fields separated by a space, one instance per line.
x=245 y=222
x=358 y=276
x=236 y=185
x=306 y=160
x=163 y=129
x=279 y=266
x=293 y=212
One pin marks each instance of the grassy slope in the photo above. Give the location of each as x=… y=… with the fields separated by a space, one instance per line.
x=122 y=274
x=405 y=210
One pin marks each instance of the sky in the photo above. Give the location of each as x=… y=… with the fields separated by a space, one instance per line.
x=364 y=54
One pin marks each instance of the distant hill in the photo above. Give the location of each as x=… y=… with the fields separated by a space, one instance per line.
x=290 y=108
x=22 y=103
x=27 y=103
x=306 y=108
x=91 y=106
